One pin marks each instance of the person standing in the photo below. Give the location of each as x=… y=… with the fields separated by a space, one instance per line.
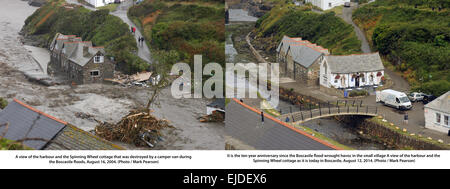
x=142 y=41
x=405 y=119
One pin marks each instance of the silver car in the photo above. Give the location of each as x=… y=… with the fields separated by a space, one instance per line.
x=415 y=96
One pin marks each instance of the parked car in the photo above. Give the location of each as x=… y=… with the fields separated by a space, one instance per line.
x=415 y=96
x=428 y=98
x=395 y=99
x=347 y=4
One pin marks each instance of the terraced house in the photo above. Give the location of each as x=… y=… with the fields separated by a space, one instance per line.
x=78 y=60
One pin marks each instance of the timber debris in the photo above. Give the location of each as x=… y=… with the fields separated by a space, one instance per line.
x=138 y=127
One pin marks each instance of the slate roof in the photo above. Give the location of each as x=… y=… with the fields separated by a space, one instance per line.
x=355 y=63
x=244 y=123
x=81 y=52
x=74 y=48
x=218 y=103
x=21 y=118
x=302 y=51
x=304 y=55
x=441 y=103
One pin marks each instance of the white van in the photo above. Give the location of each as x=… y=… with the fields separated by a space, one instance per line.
x=395 y=99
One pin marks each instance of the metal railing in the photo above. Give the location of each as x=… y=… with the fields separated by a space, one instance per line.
x=341 y=107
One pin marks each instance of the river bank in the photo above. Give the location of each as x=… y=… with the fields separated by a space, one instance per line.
x=104 y=102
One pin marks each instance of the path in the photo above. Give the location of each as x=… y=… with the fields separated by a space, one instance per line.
x=416 y=114
x=121 y=12
x=347 y=17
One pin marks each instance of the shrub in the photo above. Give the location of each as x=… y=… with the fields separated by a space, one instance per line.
x=358 y=93
x=3 y=103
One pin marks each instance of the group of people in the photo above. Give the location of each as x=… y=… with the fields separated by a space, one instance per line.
x=140 y=39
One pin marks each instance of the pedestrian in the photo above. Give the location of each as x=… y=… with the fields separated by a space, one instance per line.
x=405 y=119
x=142 y=40
x=287 y=120
x=139 y=40
x=131 y=29
x=134 y=30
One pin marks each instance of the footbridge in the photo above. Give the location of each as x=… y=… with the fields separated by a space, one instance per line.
x=322 y=110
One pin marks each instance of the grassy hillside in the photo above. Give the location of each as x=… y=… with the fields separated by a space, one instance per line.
x=326 y=29
x=413 y=37
x=96 y=26
x=182 y=29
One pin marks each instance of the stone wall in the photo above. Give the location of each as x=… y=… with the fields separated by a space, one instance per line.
x=332 y=91
x=371 y=129
x=106 y=70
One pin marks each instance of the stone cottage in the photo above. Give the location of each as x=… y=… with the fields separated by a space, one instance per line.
x=349 y=71
x=300 y=59
x=78 y=60
x=437 y=114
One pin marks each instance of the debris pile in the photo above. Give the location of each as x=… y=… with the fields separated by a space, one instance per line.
x=138 y=127
x=216 y=116
x=143 y=79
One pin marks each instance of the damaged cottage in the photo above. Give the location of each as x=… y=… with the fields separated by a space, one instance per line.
x=78 y=60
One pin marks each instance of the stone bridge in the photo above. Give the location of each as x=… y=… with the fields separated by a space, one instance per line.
x=328 y=111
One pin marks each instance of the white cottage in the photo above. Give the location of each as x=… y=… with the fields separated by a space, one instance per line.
x=327 y=4
x=350 y=71
x=100 y=3
x=437 y=114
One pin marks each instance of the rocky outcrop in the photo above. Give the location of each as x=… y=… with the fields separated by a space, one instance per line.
x=256 y=8
x=37 y=3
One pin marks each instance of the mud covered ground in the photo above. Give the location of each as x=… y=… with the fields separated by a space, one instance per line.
x=105 y=102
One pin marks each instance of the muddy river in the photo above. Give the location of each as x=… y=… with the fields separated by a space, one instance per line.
x=105 y=102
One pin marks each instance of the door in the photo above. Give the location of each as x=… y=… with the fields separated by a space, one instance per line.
x=357 y=81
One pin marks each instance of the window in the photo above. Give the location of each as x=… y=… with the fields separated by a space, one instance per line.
x=446 y=120
x=438 y=118
x=95 y=73
x=98 y=59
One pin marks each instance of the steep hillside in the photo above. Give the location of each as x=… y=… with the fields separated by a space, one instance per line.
x=325 y=29
x=414 y=36
x=181 y=29
x=96 y=26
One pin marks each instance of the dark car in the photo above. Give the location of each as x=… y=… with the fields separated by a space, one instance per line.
x=428 y=98
x=116 y=1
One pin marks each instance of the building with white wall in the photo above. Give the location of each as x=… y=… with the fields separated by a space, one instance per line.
x=437 y=113
x=349 y=71
x=327 y=4
x=100 y=3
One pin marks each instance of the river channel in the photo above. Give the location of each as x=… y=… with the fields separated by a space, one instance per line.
x=237 y=51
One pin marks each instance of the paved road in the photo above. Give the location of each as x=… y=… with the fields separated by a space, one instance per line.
x=347 y=16
x=121 y=12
